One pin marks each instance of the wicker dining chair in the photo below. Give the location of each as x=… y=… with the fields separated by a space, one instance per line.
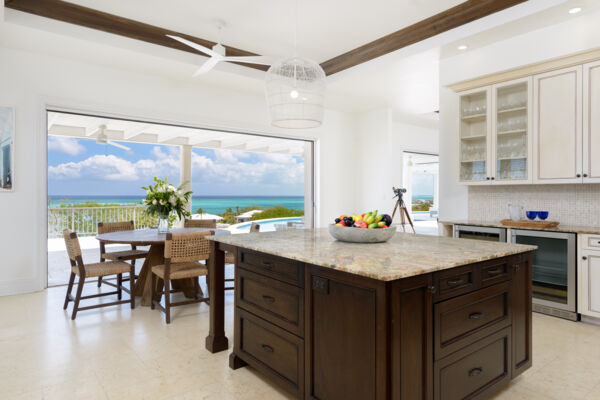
x=254 y=227
x=124 y=255
x=183 y=253
x=212 y=224
x=101 y=269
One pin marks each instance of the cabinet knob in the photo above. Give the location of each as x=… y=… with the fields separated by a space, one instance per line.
x=517 y=267
x=493 y=178
x=578 y=175
x=432 y=289
x=584 y=258
x=487 y=178
x=585 y=175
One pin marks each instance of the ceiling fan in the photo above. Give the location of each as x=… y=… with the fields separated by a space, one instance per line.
x=217 y=54
x=102 y=138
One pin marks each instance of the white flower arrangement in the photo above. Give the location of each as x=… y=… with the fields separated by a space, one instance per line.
x=163 y=199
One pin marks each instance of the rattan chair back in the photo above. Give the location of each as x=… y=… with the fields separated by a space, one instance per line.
x=108 y=227
x=254 y=227
x=187 y=247
x=72 y=244
x=200 y=223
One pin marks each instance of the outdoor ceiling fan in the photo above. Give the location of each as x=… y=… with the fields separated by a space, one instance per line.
x=217 y=54
x=102 y=138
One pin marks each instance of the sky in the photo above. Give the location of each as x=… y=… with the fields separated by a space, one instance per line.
x=83 y=167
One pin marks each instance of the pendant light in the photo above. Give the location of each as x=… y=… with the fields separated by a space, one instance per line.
x=295 y=90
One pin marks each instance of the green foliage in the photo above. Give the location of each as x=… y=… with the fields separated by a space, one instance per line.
x=162 y=199
x=421 y=205
x=277 y=212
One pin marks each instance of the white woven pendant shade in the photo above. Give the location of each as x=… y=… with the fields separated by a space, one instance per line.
x=295 y=89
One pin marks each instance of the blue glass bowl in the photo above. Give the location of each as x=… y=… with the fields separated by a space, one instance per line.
x=542 y=214
x=531 y=214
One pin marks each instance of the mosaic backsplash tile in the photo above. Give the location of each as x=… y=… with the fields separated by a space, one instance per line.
x=567 y=204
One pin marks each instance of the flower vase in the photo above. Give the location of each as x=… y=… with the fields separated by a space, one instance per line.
x=163 y=223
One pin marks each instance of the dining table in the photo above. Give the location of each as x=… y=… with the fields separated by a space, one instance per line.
x=151 y=237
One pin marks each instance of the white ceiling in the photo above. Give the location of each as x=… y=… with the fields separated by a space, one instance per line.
x=87 y=127
x=325 y=28
x=406 y=80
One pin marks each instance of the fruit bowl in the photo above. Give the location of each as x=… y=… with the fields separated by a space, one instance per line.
x=357 y=235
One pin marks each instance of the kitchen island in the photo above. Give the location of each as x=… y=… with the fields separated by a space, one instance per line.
x=418 y=317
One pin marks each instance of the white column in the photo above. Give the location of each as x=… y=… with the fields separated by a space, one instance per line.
x=185 y=169
x=308 y=185
x=436 y=189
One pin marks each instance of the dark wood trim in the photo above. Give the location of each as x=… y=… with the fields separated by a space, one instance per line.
x=451 y=18
x=110 y=23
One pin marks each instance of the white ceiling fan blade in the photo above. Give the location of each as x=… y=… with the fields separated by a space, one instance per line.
x=196 y=46
x=207 y=66
x=119 y=145
x=262 y=60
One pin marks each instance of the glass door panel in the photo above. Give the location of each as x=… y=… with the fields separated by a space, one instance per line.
x=473 y=136
x=511 y=132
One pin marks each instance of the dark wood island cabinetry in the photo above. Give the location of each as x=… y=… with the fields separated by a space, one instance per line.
x=349 y=330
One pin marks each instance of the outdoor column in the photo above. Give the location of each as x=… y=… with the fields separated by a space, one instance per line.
x=308 y=186
x=185 y=169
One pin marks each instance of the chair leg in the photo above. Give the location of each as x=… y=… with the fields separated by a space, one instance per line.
x=197 y=288
x=69 y=289
x=167 y=300
x=152 y=286
x=119 y=286
x=78 y=296
x=131 y=285
x=99 y=281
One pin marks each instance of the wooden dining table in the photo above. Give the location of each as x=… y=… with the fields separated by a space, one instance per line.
x=156 y=241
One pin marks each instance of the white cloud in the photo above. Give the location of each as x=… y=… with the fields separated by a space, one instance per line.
x=228 y=167
x=67 y=145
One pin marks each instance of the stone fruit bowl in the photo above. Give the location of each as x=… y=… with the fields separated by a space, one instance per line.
x=359 y=235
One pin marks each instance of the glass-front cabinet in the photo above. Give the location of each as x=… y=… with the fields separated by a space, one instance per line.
x=474 y=134
x=495 y=134
x=511 y=127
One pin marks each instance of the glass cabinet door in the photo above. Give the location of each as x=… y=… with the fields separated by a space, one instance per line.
x=473 y=131
x=512 y=131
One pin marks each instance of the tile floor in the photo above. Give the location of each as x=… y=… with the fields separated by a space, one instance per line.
x=117 y=353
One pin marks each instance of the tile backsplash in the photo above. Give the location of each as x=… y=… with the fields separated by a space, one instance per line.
x=567 y=204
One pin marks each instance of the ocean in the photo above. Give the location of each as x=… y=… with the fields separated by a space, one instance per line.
x=210 y=204
x=423 y=197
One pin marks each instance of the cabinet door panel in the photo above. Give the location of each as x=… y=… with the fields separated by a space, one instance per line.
x=591 y=122
x=558 y=126
x=474 y=144
x=589 y=283
x=521 y=315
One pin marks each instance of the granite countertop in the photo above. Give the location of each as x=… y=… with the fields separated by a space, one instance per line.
x=591 y=230
x=403 y=256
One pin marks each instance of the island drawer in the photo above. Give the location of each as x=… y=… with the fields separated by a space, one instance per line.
x=272 y=350
x=494 y=271
x=454 y=282
x=279 y=268
x=270 y=299
x=476 y=371
x=463 y=320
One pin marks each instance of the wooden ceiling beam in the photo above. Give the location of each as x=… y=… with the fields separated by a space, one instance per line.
x=451 y=18
x=94 y=19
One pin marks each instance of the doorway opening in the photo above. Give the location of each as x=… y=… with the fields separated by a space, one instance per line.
x=97 y=166
x=421 y=180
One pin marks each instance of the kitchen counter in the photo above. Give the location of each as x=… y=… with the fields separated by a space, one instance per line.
x=405 y=255
x=418 y=317
x=590 y=230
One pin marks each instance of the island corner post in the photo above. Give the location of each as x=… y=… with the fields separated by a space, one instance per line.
x=460 y=332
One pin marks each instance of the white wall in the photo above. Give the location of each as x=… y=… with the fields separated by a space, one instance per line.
x=575 y=35
x=30 y=82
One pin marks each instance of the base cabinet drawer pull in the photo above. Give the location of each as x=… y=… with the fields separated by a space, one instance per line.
x=267 y=264
x=494 y=271
x=269 y=299
x=475 y=372
x=266 y=348
x=475 y=315
x=454 y=283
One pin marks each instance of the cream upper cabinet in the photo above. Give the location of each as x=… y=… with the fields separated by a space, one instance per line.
x=511 y=132
x=591 y=122
x=557 y=124
x=474 y=137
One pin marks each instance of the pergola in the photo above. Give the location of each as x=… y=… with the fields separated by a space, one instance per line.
x=123 y=131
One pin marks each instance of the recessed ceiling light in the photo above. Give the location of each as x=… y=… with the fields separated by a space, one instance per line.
x=463 y=47
x=574 y=10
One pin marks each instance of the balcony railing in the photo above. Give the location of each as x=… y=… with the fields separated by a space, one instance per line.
x=84 y=220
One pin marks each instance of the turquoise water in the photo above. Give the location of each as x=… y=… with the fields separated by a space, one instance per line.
x=210 y=204
x=268 y=225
